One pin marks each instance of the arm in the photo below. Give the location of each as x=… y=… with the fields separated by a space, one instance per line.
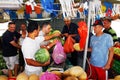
x=48 y=37
x=110 y=57
x=35 y=63
x=15 y=44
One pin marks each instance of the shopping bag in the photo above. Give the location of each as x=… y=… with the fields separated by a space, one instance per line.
x=82 y=31
x=58 y=54
x=68 y=46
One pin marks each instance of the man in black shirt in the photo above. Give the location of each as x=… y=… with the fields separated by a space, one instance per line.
x=10 y=45
x=70 y=29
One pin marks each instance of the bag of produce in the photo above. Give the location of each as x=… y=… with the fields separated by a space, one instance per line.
x=58 y=54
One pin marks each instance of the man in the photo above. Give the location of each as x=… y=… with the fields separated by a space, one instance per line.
x=70 y=29
x=109 y=30
x=30 y=45
x=23 y=33
x=45 y=29
x=101 y=45
x=10 y=45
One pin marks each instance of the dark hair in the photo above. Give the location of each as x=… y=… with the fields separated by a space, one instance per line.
x=44 y=24
x=32 y=26
x=10 y=23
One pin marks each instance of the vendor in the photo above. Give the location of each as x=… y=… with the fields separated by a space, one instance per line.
x=70 y=29
x=109 y=30
x=29 y=47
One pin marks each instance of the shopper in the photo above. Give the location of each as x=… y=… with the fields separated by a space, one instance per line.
x=70 y=29
x=29 y=47
x=102 y=52
x=45 y=29
x=10 y=45
x=24 y=34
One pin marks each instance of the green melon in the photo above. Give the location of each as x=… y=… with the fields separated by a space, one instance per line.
x=42 y=55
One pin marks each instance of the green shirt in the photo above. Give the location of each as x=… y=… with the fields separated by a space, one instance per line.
x=112 y=33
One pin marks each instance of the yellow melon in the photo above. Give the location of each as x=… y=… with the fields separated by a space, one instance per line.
x=71 y=78
x=117 y=77
x=76 y=46
x=3 y=77
x=83 y=76
x=58 y=73
x=33 y=77
x=22 y=76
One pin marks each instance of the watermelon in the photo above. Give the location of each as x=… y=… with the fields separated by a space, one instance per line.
x=42 y=55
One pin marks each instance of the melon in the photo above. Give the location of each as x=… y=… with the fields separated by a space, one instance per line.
x=22 y=76
x=71 y=78
x=3 y=77
x=117 y=77
x=83 y=76
x=33 y=77
x=42 y=55
x=56 y=31
x=76 y=46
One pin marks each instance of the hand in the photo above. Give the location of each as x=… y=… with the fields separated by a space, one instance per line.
x=106 y=67
x=47 y=63
x=66 y=34
x=56 y=34
x=55 y=41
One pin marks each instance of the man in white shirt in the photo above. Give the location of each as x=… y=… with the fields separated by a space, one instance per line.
x=29 y=47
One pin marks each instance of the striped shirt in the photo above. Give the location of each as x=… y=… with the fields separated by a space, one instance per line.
x=112 y=33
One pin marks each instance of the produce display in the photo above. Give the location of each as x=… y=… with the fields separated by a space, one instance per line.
x=42 y=55
x=117 y=51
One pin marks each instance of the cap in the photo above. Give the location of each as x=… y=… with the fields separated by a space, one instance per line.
x=106 y=18
x=98 y=22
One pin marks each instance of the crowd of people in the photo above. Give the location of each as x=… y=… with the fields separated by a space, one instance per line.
x=33 y=37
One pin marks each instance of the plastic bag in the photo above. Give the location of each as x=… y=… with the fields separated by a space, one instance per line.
x=68 y=46
x=82 y=30
x=49 y=76
x=58 y=54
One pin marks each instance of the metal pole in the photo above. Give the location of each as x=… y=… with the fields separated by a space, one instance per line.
x=86 y=46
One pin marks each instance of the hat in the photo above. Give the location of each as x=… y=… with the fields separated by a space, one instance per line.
x=106 y=18
x=98 y=22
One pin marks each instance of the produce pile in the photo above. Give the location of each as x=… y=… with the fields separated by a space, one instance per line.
x=73 y=73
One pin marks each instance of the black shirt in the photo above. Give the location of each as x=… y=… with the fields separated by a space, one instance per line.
x=73 y=29
x=9 y=49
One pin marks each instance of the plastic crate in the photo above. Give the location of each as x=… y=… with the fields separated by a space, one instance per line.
x=116 y=66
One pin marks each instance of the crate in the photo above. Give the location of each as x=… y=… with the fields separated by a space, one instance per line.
x=116 y=66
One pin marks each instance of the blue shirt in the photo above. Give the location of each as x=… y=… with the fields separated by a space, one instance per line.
x=100 y=49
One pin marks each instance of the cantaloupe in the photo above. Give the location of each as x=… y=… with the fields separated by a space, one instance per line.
x=22 y=76
x=76 y=46
x=33 y=77
x=71 y=78
x=3 y=77
x=83 y=76
x=117 y=77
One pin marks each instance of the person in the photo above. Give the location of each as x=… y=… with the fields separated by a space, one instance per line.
x=101 y=47
x=109 y=30
x=10 y=45
x=23 y=33
x=45 y=29
x=29 y=47
x=70 y=29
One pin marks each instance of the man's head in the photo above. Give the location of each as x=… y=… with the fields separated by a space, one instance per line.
x=106 y=22
x=33 y=28
x=11 y=26
x=23 y=27
x=46 y=27
x=98 y=26
x=67 y=21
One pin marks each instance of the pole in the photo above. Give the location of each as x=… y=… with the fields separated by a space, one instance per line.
x=86 y=46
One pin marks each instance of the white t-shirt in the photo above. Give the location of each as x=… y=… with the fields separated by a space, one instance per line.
x=29 y=48
x=44 y=43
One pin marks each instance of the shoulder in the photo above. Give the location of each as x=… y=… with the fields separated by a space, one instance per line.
x=73 y=24
x=107 y=35
x=112 y=31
